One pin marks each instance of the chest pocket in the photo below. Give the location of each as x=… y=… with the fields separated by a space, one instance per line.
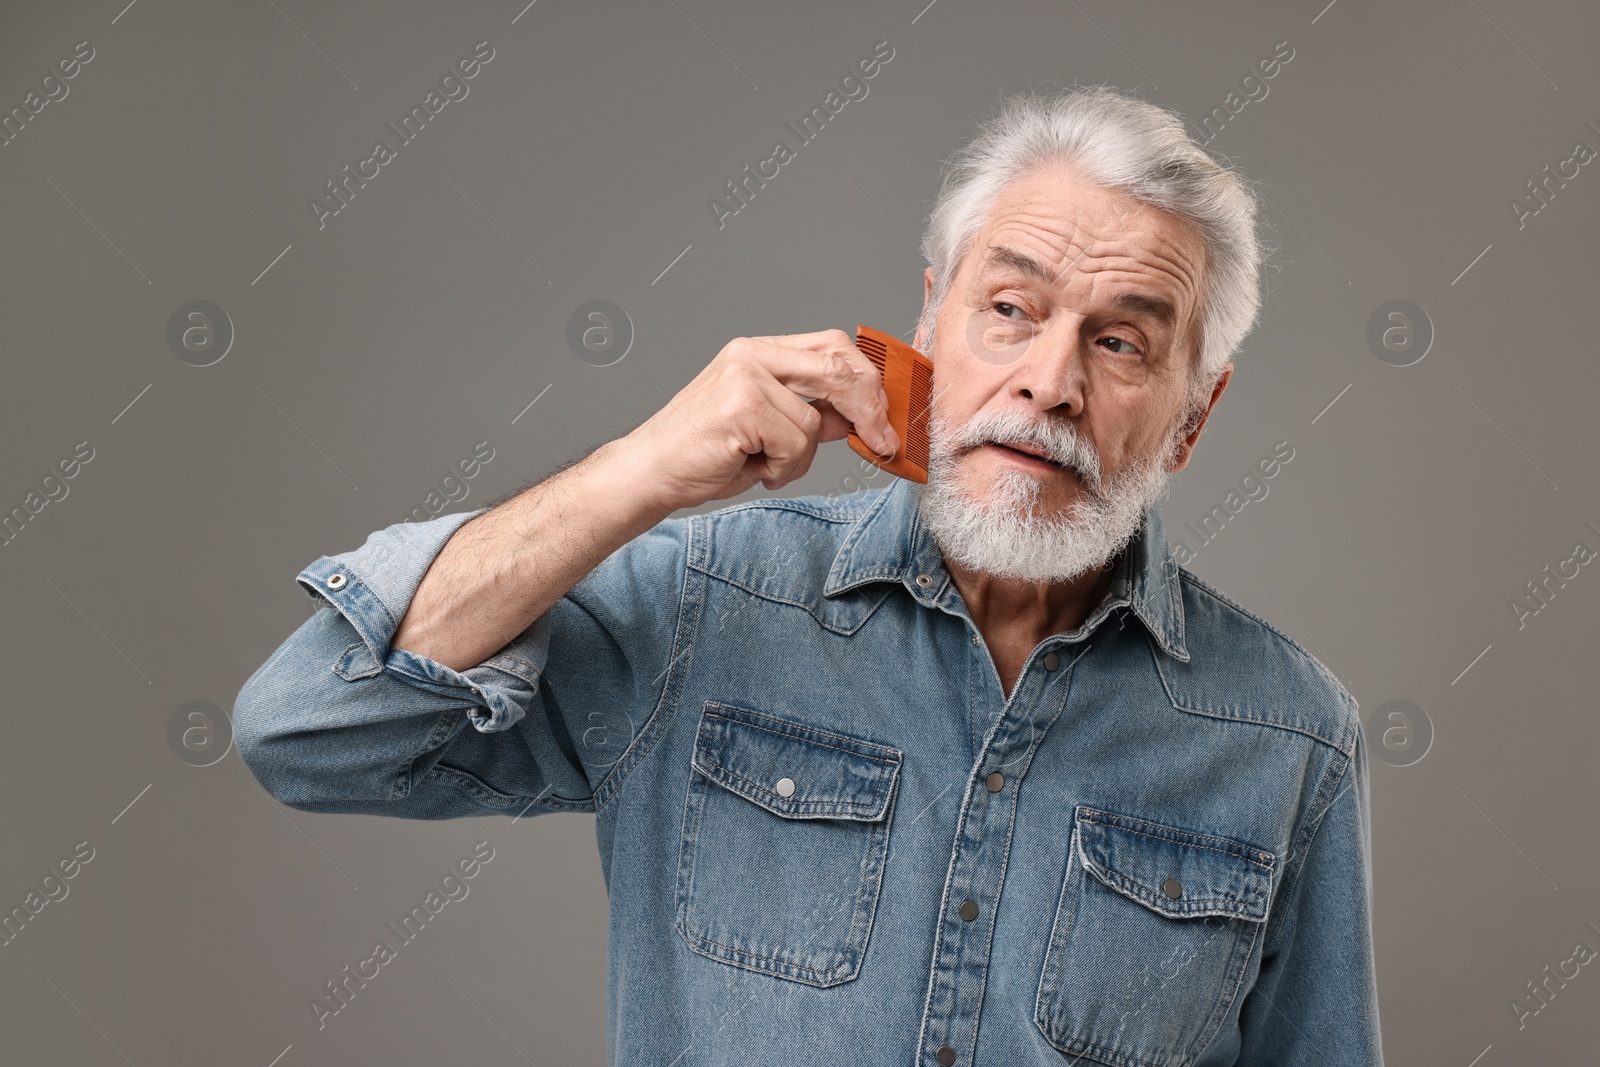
x=785 y=832
x=1152 y=936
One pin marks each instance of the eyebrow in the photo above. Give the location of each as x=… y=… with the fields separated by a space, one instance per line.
x=1020 y=262
x=1153 y=307
x=1160 y=310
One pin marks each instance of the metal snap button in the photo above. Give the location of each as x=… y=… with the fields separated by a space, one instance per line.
x=1051 y=661
x=996 y=781
x=969 y=910
x=785 y=787
x=1172 y=888
x=335 y=581
x=924 y=580
x=945 y=1056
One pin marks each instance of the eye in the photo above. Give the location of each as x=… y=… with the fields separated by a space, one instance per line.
x=1128 y=347
x=1006 y=309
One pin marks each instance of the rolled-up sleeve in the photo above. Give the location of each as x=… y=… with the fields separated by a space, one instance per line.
x=1315 y=1001
x=336 y=720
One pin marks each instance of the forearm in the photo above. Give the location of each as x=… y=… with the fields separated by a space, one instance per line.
x=502 y=570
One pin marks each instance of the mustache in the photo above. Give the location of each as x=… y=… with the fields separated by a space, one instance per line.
x=1058 y=441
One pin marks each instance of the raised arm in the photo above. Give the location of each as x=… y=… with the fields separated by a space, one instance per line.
x=543 y=622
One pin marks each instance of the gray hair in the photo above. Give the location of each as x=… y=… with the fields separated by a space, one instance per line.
x=1136 y=148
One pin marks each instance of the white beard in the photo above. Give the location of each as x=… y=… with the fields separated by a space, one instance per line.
x=1009 y=536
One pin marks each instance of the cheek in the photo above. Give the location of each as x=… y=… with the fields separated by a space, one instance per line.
x=1153 y=404
x=952 y=398
x=1128 y=427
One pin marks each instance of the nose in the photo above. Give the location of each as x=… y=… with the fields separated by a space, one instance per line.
x=1050 y=373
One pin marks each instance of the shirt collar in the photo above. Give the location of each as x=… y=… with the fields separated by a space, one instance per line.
x=889 y=543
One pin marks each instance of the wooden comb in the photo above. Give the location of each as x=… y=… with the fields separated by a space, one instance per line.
x=908 y=382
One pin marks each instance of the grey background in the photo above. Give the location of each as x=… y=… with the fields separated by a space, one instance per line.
x=375 y=352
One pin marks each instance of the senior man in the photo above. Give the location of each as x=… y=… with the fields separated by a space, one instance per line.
x=968 y=772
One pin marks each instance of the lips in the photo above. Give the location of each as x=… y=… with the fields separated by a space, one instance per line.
x=1027 y=450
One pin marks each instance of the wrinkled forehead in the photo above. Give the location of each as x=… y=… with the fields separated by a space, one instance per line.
x=1066 y=220
x=1053 y=227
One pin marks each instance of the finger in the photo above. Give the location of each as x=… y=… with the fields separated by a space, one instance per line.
x=868 y=371
x=784 y=445
x=834 y=424
x=831 y=341
x=804 y=340
x=793 y=431
x=832 y=375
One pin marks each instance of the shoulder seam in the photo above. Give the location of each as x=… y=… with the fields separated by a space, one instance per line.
x=1227 y=601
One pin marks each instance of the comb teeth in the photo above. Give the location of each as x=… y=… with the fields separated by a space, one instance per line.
x=874 y=350
x=916 y=442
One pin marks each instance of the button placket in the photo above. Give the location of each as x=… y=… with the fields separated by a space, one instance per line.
x=965 y=939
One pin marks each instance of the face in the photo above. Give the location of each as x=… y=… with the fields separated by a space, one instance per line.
x=1069 y=331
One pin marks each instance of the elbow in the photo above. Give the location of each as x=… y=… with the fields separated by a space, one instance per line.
x=324 y=728
x=264 y=733
x=285 y=721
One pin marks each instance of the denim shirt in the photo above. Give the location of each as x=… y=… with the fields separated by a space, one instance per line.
x=827 y=834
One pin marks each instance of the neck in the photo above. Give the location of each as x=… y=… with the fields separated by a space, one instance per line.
x=1029 y=610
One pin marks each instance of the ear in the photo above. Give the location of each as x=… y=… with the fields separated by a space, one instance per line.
x=1193 y=436
x=927 y=291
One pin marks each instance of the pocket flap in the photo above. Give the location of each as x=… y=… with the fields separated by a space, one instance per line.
x=825 y=775
x=1177 y=873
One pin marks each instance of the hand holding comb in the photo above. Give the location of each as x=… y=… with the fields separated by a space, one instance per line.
x=908 y=383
